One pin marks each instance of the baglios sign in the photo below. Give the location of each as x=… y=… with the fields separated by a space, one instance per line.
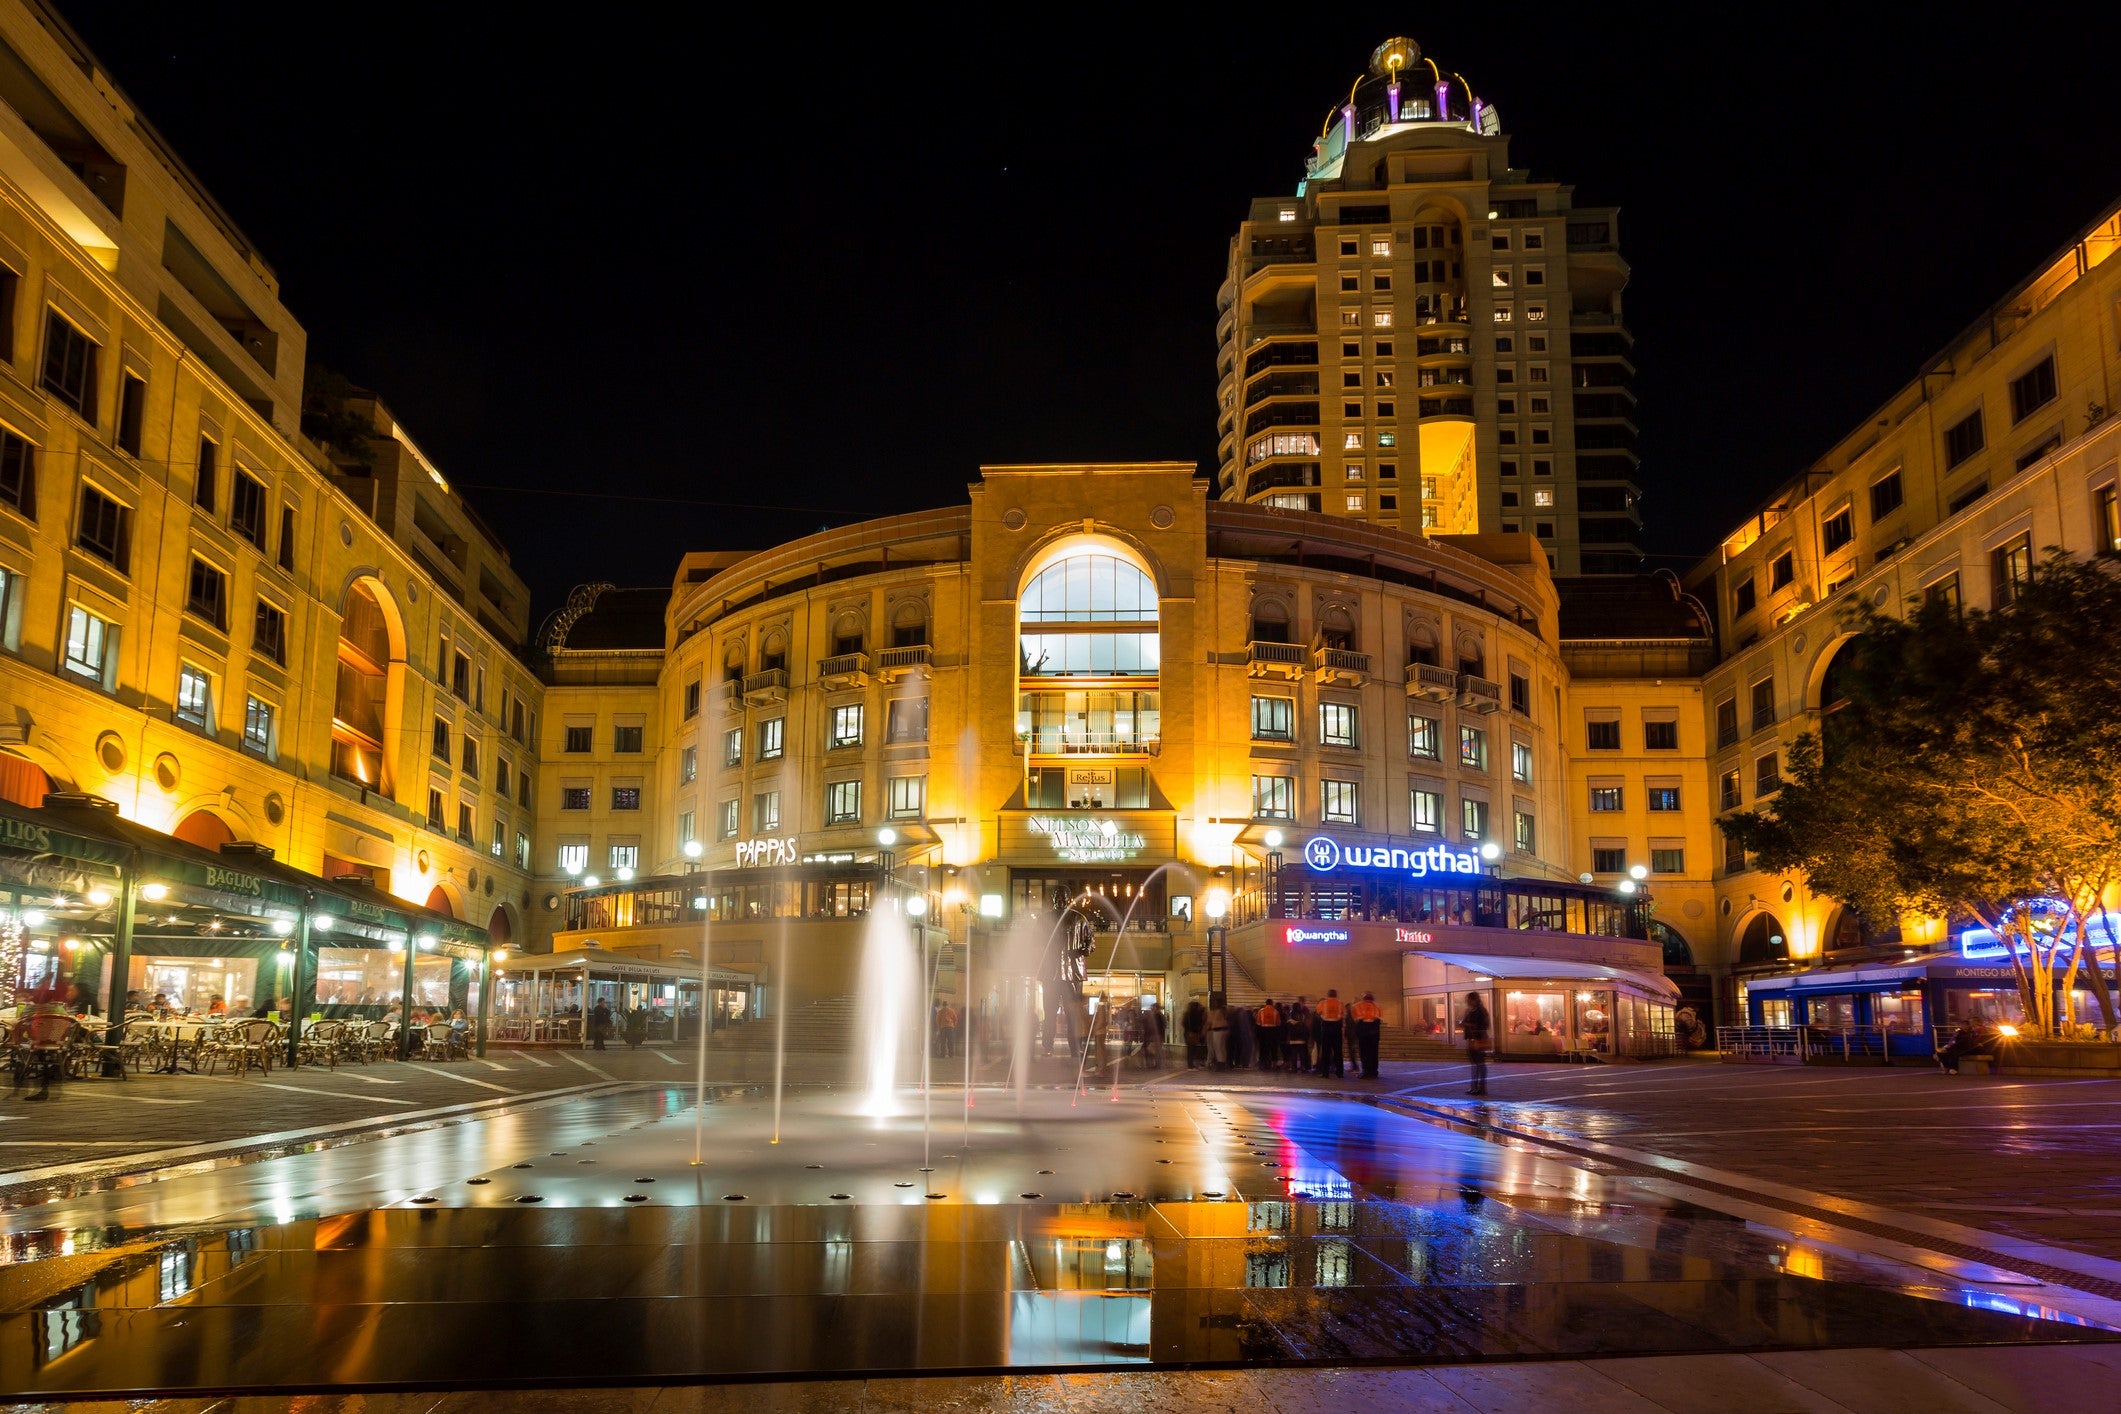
x=1088 y=839
x=1324 y=854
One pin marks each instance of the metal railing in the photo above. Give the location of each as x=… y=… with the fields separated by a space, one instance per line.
x=1480 y=694
x=772 y=680
x=1292 y=653
x=1088 y=743
x=1428 y=680
x=841 y=665
x=1342 y=660
x=915 y=656
x=1764 y=1044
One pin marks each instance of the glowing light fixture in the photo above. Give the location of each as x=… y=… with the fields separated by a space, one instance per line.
x=991 y=905
x=284 y=956
x=99 y=896
x=1491 y=851
x=700 y=903
x=1215 y=905
x=500 y=954
x=917 y=905
x=887 y=837
x=625 y=874
x=1627 y=886
x=154 y=893
x=590 y=881
x=283 y=926
x=694 y=849
x=1274 y=839
x=1638 y=871
x=32 y=918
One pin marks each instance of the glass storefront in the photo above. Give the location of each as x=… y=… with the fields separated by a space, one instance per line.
x=1831 y=1011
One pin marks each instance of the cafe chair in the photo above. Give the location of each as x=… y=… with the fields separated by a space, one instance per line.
x=441 y=1043
x=322 y=1041
x=40 y=1050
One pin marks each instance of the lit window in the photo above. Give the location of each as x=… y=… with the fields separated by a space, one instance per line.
x=1337 y=803
x=1288 y=213
x=688 y=765
x=1274 y=797
x=88 y=645
x=1352 y=471
x=733 y=747
x=909 y=797
x=1521 y=761
x=1426 y=811
x=625 y=797
x=625 y=856
x=1606 y=800
x=574 y=797
x=195 y=698
x=1501 y=278
x=1273 y=719
x=1380 y=245
x=847 y=726
x=1525 y=833
x=1665 y=799
x=1423 y=735
x=1473 y=748
x=1542 y=496
x=843 y=802
x=1354 y=501
x=1336 y=724
x=1381 y=319
x=1473 y=816
x=1351 y=441
x=770 y=738
x=574 y=858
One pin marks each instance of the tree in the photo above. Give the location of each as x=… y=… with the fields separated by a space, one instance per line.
x=1974 y=768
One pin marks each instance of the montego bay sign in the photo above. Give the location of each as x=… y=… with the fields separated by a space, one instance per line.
x=1324 y=854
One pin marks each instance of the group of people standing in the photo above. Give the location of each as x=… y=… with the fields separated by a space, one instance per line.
x=1298 y=1038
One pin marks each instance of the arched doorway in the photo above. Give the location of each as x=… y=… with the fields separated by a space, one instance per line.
x=499 y=929
x=22 y=781
x=438 y=902
x=1762 y=942
x=1677 y=952
x=204 y=829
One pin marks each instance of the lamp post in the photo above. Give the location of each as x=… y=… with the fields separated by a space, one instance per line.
x=1215 y=906
x=917 y=909
x=1274 y=902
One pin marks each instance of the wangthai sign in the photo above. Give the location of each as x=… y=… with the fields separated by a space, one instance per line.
x=1324 y=854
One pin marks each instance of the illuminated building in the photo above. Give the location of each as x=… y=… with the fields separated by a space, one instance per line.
x=1425 y=337
x=236 y=632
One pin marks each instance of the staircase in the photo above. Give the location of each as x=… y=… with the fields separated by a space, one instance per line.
x=825 y=1027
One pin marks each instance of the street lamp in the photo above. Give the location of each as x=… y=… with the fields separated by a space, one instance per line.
x=1491 y=851
x=1217 y=904
x=1273 y=841
x=1638 y=872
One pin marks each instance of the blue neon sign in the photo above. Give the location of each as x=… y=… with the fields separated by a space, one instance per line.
x=1324 y=854
x=1982 y=944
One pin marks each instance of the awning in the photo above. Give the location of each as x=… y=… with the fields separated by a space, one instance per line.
x=603 y=963
x=1542 y=969
x=1839 y=977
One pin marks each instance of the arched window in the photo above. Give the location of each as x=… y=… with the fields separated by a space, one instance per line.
x=1421 y=645
x=1472 y=658
x=909 y=624
x=361 y=704
x=1833 y=690
x=847 y=635
x=1762 y=941
x=773 y=652
x=1270 y=621
x=204 y=829
x=1677 y=953
x=1089 y=615
x=1336 y=629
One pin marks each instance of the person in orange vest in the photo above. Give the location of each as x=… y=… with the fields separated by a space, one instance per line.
x=1369 y=1022
x=1331 y=1015
x=1266 y=1027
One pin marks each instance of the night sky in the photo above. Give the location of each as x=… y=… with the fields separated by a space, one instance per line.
x=826 y=273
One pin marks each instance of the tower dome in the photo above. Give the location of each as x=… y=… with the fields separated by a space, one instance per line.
x=1400 y=88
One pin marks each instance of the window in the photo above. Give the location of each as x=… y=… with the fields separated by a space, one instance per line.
x=195 y=698
x=2032 y=390
x=1885 y=495
x=1380 y=245
x=766 y=811
x=688 y=827
x=1353 y=501
x=69 y=365
x=467 y=822
x=1336 y=724
x=434 y=808
x=1534 y=275
x=1667 y=860
x=692 y=699
x=1473 y=818
x=574 y=858
x=625 y=797
x=246 y=507
x=729 y=820
x=499 y=849
x=1660 y=736
x=2010 y=568
x=203 y=485
x=1274 y=797
x=1763 y=704
x=1602 y=736
x=1727 y=794
x=1606 y=800
x=1350 y=283
x=132 y=412
x=1535 y=240
x=908 y=797
x=580 y=739
x=1473 y=748
x=105 y=530
x=1963 y=438
x=1424 y=737
x=523 y=789
x=1527 y=836
x=268 y=633
x=1542 y=467
x=1767 y=775
x=733 y=747
x=1609 y=859
x=2106 y=510
x=625 y=856
x=1273 y=719
x=522 y=850
x=460 y=676
x=1839 y=529
x=1337 y=802
x=1727 y=722
x=470 y=762
x=1967 y=497
x=1733 y=856
x=206 y=593
x=1663 y=799
x=257 y=726
x=1781 y=570
x=846 y=726
x=1521 y=761
x=770 y=738
x=626 y=740
x=287 y=538
x=1500 y=277
x=1425 y=810
x=440 y=745
x=1520 y=694
x=574 y=797
x=1382 y=319
x=1743 y=596
x=18 y=473
x=688 y=765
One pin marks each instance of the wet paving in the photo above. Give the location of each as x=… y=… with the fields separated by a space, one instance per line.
x=577 y=1241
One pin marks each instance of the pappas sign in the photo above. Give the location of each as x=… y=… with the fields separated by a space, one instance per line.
x=752 y=853
x=1299 y=934
x=1325 y=854
x=1087 y=839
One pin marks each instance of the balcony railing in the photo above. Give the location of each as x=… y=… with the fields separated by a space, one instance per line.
x=1341 y=663
x=1429 y=681
x=768 y=686
x=842 y=666
x=897 y=662
x=1479 y=694
x=1270 y=657
x=1056 y=742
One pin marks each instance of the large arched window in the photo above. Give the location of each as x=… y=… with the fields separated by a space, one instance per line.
x=1762 y=941
x=1090 y=614
x=361 y=707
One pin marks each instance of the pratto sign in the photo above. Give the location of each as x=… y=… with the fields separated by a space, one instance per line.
x=1325 y=854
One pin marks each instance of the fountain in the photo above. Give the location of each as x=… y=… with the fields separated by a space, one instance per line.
x=890 y=989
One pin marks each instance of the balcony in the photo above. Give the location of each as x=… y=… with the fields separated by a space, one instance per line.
x=1479 y=695
x=895 y=663
x=1431 y=683
x=844 y=670
x=730 y=700
x=1288 y=384
x=1274 y=660
x=1282 y=476
x=766 y=687
x=1340 y=665
x=1074 y=742
x=1300 y=355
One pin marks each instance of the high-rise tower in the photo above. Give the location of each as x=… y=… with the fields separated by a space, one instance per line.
x=1425 y=336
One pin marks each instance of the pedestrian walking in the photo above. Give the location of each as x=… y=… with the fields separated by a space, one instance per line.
x=1369 y=1023
x=1474 y=1026
x=946 y=1031
x=1194 y=1022
x=1218 y=1037
x=600 y=1024
x=1241 y=1037
x=1331 y=1017
x=1266 y=1030
x=1296 y=1036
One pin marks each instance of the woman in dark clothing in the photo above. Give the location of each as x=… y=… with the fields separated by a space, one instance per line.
x=600 y=1024
x=1475 y=1028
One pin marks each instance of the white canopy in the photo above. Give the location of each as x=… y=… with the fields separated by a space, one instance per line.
x=613 y=966
x=1539 y=969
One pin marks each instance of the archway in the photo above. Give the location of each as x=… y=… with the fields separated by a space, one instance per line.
x=204 y=829
x=22 y=781
x=1677 y=951
x=1830 y=691
x=1761 y=941
x=499 y=927
x=438 y=902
